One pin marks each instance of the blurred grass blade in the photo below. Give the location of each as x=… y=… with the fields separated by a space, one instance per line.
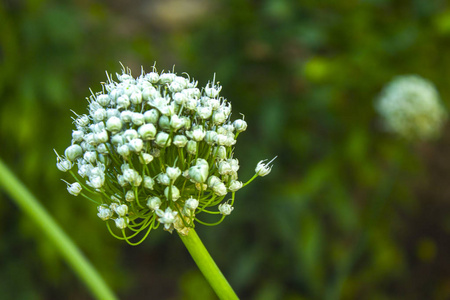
x=33 y=209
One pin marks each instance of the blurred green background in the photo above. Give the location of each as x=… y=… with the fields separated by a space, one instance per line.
x=348 y=212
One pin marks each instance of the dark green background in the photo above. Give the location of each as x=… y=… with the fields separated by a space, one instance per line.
x=349 y=211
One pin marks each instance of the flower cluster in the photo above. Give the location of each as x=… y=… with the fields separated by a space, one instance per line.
x=410 y=107
x=156 y=150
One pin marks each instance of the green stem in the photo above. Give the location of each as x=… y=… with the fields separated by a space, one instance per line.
x=31 y=206
x=207 y=266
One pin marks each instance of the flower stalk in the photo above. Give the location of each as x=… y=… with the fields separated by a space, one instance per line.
x=69 y=251
x=207 y=266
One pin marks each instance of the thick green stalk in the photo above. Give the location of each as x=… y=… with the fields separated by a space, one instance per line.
x=34 y=210
x=207 y=266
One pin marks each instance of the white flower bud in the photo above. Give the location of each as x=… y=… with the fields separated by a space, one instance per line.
x=101 y=137
x=198 y=173
x=173 y=173
x=103 y=100
x=176 y=122
x=123 y=102
x=147 y=131
x=220 y=152
x=150 y=93
x=167 y=218
x=73 y=152
x=211 y=137
x=121 y=180
x=82 y=121
x=112 y=112
x=224 y=168
x=164 y=122
x=234 y=164
x=74 y=188
x=149 y=182
x=219 y=117
x=191 y=204
x=212 y=91
x=145 y=158
x=122 y=210
x=163 y=179
x=204 y=112
x=124 y=151
x=96 y=181
x=153 y=77
x=90 y=156
x=153 y=203
x=77 y=136
x=180 y=98
x=180 y=141
x=99 y=115
x=151 y=116
x=201 y=162
x=240 y=125
x=136 y=145
x=192 y=147
x=166 y=78
x=191 y=104
x=102 y=149
x=198 y=134
x=104 y=213
x=137 y=119
x=220 y=189
x=225 y=209
x=122 y=223
x=213 y=180
x=130 y=134
x=63 y=165
x=126 y=116
x=136 y=98
x=262 y=168
x=235 y=186
x=163 y=140
x=117 y=140
x=172 y=193
x=130 y=196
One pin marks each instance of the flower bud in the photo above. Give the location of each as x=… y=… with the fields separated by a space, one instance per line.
x=130 y=134
x=213 y=180
x=204 y=112
x=130 y=196
x=73 y=152
x=176 y=122
x=136 y=98
x=126 y=116
x=163 y=179
x=147 y=131
x=101 y=137
x=224 y=168
x=151 y=116
x=225 y=209
x=148 y=182
x=220 y=189
x=235 y=186
x=124 y=151
x=145 y=158
x=102 y=149
x=219 y=117
x=117 y=140
x=191 y=204
x=198 y=173
x=180 y=141
x=153 y=77
x=211 y=137
x=74 y=188
x=240 y=125
x=192 y=147
x=172 y=193
x=164 y=122
x=153 y=203
x=137 y=119
x=104 y=213
x=166 y=78
x=262 y=169
x=90 y=156
x=136 y=145
x=198 y=134
x=123 y=102
x=103 y=100
x=122 y=223
x=220 y=152
x=173 y=173
x=77 y=136
x=163 y=140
